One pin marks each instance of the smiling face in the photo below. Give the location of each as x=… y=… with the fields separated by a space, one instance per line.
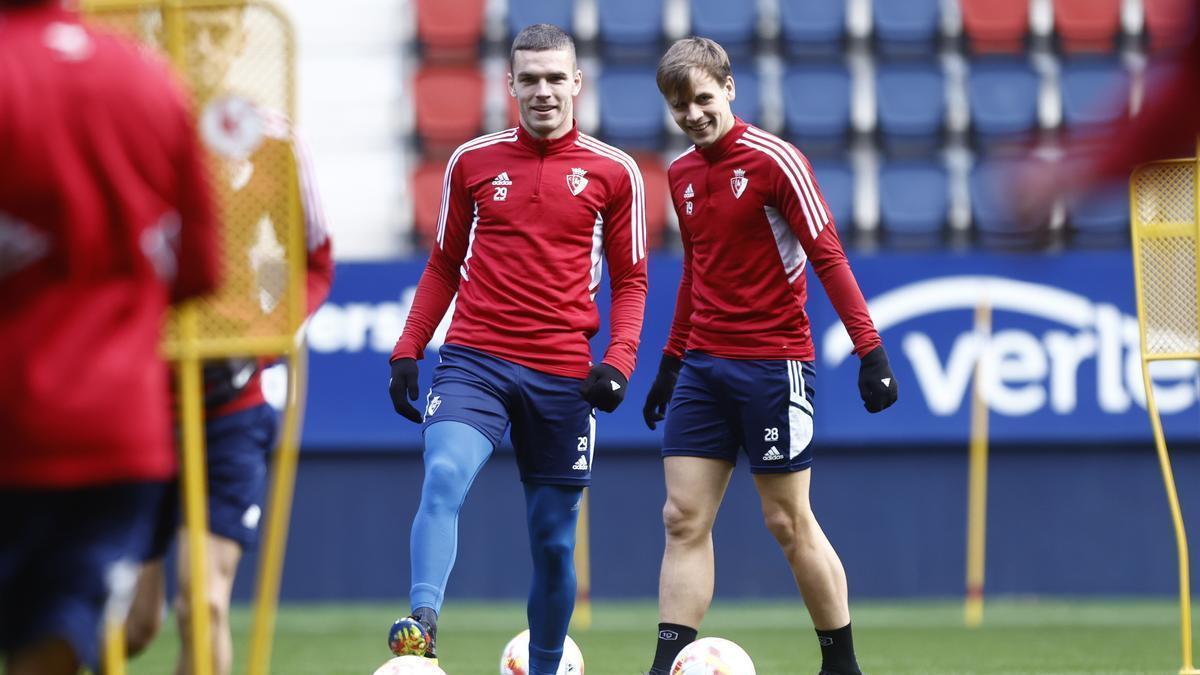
x=702 y=107
x=545 y=83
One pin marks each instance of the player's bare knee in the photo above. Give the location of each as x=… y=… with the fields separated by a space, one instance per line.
x=683 y=522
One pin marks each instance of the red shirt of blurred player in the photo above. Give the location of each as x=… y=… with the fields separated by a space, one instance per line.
x=105 y=218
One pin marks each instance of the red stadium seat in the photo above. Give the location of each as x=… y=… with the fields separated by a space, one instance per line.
x=449 y=102
x=654 y=175
x=450 y=31
x=1087 y=25
x=1168 y=22
x=996 y=26
x=427 y=200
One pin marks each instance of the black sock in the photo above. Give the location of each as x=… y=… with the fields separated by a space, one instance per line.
x=837 y=651
x=672 y=638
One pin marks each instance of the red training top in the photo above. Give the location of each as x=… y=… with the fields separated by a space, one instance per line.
x=105 y=218
x=524 y=228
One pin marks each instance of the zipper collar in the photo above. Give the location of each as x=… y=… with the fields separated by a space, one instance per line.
x=717 y=150
x=542 y=146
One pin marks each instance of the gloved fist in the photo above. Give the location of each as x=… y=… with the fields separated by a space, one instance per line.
x=660 y=392
x=404 y=382
x=876 y=384
x=604 y=387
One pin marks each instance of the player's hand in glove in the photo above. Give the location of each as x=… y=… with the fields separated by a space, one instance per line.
x=660 y=392
x=604 y=387
x=404 y=383
x=876 y=384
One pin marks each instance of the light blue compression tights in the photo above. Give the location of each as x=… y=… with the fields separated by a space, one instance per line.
x=454 y=454
x=551 y=512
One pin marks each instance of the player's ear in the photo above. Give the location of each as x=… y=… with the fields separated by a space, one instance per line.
x=577 y=84
x=512 y=86
x=730 y=89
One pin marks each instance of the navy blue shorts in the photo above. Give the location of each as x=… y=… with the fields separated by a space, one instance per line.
x=238 y=447
x=67 y=555
x=552 y=428
x=763 y=407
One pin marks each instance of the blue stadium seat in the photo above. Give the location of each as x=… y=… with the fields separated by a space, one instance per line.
x=816 y=108
x=812 y=27
x=631 y=30
x=906 y=28
x=835 y=180
x=733 y=24
x=1003 y=95
x=913 y=203
x=1094 y=94
x=1101 y=218
x=522 y=13
x=748 y=104
x=992 y=213
x=911 y=103
x=631 y=109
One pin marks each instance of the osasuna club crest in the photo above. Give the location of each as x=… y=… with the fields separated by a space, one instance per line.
x=739 y=182
x=576 y=181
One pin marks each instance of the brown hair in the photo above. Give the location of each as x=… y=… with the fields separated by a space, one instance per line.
x=541 y=37
x=674 y=74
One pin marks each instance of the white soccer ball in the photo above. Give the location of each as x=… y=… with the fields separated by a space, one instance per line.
x=410 y=665
x=712 y=656
x=514 y=660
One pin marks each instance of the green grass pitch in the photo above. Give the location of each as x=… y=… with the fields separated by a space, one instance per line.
x=1048 y=637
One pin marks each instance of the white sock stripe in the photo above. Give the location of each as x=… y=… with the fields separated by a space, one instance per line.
x=474 y=144
x=774 y=154
x=798 y=165
x=638 y=208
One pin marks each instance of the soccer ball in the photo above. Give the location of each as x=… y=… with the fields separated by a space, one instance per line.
x=410 y=665
x=514 y=660
x=712 y=656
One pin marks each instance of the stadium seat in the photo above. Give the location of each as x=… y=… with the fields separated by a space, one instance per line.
x=748 y=104
x=449 y=107
x=913 y=203
x=522 y=13
x=835 y=180
x=630 y=30
x=631 y=110
x=1101 y=218
x=1169 y=23
x=911 y=104
x=996 y=26
x=816 y=108
x=1003 y=100
x=658 y=195
x=1095 y=93
x=733 y=24
x=906 y=28
x=1087 y=25
x=450 y=31
x=812 y=27
x=427 y=200
x=996 y=224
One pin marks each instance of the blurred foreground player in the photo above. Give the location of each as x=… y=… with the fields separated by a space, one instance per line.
x=737 y=371
x=529 y=215
x=251 y=146
x=105 y=219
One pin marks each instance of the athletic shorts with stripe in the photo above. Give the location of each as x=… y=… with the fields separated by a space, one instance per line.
x=723 y=405
x=552 y=428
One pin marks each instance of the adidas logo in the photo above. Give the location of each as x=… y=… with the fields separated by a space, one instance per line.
x=581 y=464
x=772 y=455
x=689 y=192
x=502 y=179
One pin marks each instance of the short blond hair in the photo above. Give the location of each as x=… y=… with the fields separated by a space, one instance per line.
x=674 y=76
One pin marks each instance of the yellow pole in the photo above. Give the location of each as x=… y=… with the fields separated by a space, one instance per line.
x=582 y=618
x=114 y=646
x=977 y=481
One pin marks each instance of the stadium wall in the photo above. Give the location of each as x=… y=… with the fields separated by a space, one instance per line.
x=1076 y=500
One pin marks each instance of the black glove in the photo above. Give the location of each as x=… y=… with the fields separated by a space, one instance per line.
x=660 y=392
x=876 y=384
x=404 y=381
x=604 y=387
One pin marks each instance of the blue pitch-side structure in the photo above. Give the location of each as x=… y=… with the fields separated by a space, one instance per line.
x=1075 y=502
